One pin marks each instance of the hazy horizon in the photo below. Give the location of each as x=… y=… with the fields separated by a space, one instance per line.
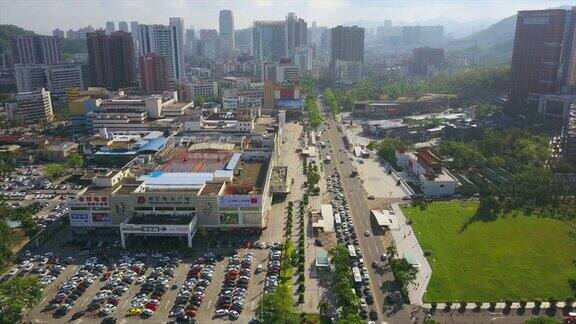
x=44 y=16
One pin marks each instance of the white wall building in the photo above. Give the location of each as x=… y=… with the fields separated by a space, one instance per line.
x=424 y=169
x=347 y=72
x=167 y=42
x=31 y=107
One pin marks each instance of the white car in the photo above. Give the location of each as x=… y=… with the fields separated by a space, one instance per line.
x=221 y=312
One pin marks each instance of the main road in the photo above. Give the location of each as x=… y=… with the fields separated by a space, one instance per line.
x=372 y=246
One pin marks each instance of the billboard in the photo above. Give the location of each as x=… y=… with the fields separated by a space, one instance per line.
x=235 y=201
x=77 y=219
x=155 y=229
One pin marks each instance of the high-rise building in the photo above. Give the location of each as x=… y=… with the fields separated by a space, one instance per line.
x=290 y=21
x=123 y=26
x=58 y=33
x=134 y=31
x=347 y=43
x=190 y=42
x=164 y=41
x=56 y=77
x=297 y=32
x=209 y=43
x=424 y=59
x=61 y=76
x=35 y=49
x=31 y=107
x=111 y=59
x=110 y=27
x=543 y=52
x=227 y=40
x=269 y=42
x=29 y=77
x=178 y=24
x=153 y=73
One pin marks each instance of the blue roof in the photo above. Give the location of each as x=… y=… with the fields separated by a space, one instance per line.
x=153 y=145
x=233 y=161
x=177 y=179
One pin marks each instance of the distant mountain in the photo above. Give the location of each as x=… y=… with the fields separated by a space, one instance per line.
x=500 y=32
x=67 y=46
x=6 y=33
x=456 y=29
x=452 y=28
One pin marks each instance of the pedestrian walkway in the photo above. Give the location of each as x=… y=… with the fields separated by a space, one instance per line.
x=409 y=248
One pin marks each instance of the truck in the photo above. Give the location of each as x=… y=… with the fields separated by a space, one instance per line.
x=352 y=251
x=357 y=276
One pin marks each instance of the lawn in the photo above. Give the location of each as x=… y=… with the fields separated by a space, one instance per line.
x=516 y=256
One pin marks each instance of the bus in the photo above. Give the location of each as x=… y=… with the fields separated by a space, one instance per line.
x=337 y=220
x=352 y=251
x=357 y=276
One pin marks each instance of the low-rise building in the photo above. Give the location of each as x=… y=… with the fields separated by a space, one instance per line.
x=425 y=170
x=56 y=152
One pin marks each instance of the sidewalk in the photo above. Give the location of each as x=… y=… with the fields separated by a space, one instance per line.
x=408 y=246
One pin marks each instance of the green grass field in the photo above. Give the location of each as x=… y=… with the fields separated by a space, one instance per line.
x=513 y=257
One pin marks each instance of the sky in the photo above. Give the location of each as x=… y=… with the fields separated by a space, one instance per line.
x=42 y=16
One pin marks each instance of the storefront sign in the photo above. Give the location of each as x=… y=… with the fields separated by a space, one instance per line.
x=239 y=201
x=159 y=229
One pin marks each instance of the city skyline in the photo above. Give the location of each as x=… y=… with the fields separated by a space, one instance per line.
x=43 y=17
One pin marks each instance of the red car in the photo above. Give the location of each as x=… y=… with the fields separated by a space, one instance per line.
x=152 y=306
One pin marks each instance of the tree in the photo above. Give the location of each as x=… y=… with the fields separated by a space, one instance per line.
x=7 y=164
x=276 y=307
x=392 y=251
x=198 y=101
x=75 y=161
x=404 y=272
x=462 y=155
x=17 y=294
x=323 y=307
x=53 y=170
x=542 y=320
x=387 y=148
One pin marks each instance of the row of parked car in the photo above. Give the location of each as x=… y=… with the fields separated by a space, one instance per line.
x=153 y=287
x=46 y=267
x=273 y=268
x=70 y=290
x=346 y=234
x=231 y=299
x=192 y=291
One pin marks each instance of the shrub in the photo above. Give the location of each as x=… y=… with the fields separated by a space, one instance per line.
x=448 y=305
x=434 y=305
x=463 y=305
x=301 y=297
x=568 y=302
x=523 y=303
x=301 y=267
x=553 y=301
x=492 y=305
x=301 y=287
x=478 y=304
x=508 y=303
x=537 y=302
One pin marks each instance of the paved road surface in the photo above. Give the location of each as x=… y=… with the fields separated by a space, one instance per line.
x=372 y=246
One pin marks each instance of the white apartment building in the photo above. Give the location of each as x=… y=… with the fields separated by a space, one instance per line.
x=167 y=42
x=31 y=107
x=347 y=72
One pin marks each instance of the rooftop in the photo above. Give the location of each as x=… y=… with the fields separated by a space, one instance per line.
x=197 y=161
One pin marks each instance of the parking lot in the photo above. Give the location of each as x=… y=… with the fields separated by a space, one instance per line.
x=224 y=282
